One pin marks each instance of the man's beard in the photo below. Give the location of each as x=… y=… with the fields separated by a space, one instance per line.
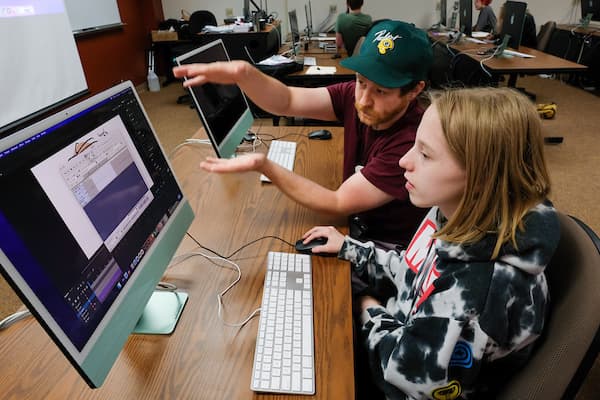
x=372 y=118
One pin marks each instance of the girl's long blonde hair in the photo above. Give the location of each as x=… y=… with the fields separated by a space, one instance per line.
x=495 y=134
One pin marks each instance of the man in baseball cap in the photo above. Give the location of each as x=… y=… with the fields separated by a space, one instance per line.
x=380 y=115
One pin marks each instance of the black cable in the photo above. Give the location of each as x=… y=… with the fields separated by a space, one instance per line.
x=204 y=247
x=242 y=247
x=257 y=240
x=291 y=134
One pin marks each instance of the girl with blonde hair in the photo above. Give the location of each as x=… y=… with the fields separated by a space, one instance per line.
x=458 y=311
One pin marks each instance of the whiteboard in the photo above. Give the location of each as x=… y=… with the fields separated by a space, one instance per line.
x=91 y=14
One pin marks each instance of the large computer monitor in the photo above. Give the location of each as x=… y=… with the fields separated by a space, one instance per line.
x=309 y=22
x=514 y=21
x=590 y=7
x=295 y=31
x=223 y=109
x=443 y=12
x=90 y=217
x=465 y=18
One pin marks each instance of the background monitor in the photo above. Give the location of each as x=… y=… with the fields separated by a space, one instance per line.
x=246 y=10
x=223 y=109
x=590 y=7
x=294 y=26
x=465 y=18
x=90 y=223
x=513 y=22
x=443 y=12
x=309 y=22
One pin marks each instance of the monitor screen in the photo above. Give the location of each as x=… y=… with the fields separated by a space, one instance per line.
x=465 y=17
x=513 y=22
x=590 y=7
x=90 y=223
x=223 y=109
x=294 y=26
x=443 y=6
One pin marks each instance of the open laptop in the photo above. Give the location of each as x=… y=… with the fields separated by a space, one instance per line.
x=223 y=109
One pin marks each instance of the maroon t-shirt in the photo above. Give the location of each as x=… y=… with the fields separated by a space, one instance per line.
x=378 y=153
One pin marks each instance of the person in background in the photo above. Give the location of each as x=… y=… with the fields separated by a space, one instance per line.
x=486 y=21
x=380 y=114
x=459 y=310
x=350 y=26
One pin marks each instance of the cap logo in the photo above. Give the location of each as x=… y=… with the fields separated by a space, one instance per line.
x=386 y=41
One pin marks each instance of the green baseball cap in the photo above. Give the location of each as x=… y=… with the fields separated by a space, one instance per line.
x=393 y=54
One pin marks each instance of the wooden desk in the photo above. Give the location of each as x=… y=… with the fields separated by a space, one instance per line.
x=589 y=31
x=581 y=46
x=301 y=78
x=204 y=359
x=542 y=63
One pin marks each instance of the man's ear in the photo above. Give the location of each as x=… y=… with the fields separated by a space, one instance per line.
x=417 y=90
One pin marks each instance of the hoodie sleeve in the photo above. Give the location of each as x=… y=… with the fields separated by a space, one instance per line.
x=426 y=358
x=416 y=356
x=375 y=265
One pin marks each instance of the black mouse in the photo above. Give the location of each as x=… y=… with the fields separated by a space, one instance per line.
x=321 y=134
x=307 y=248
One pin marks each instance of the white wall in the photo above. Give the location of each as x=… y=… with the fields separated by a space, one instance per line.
x=422 y=13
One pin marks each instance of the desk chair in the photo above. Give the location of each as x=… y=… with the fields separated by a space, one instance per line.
x=357 y=46
x=545 y=34
x=568 y=348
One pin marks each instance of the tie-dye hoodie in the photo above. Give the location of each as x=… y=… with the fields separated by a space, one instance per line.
x=454 y=322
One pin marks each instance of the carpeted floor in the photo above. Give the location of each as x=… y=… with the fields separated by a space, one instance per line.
x=573 y=164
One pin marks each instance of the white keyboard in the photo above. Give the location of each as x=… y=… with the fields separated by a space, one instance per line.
x=283 y=153
x=284 y=359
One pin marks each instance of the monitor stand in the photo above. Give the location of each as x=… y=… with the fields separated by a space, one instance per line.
x=161 y=313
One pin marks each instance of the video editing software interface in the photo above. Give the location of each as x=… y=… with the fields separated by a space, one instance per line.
x=87 y=199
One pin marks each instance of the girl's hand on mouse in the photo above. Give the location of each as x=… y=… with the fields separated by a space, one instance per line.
x=335 y=239
x=248 y=162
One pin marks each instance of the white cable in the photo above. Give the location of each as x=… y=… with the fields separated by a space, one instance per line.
x=11 y=319
x=186 y=142
x=220 y=295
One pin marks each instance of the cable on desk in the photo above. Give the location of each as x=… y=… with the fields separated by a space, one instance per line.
x=191 y=141
x=166 y=287
x=221 y=294
x=11 y=319
x=284 y=136
x=242 y=247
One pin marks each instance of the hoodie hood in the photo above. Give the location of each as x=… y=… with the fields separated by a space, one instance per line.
x=535 y=243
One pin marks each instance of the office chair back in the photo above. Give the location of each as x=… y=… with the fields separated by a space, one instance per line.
x=199 y=19
x=570 y=344
x=359 y=43
x=543 y=37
